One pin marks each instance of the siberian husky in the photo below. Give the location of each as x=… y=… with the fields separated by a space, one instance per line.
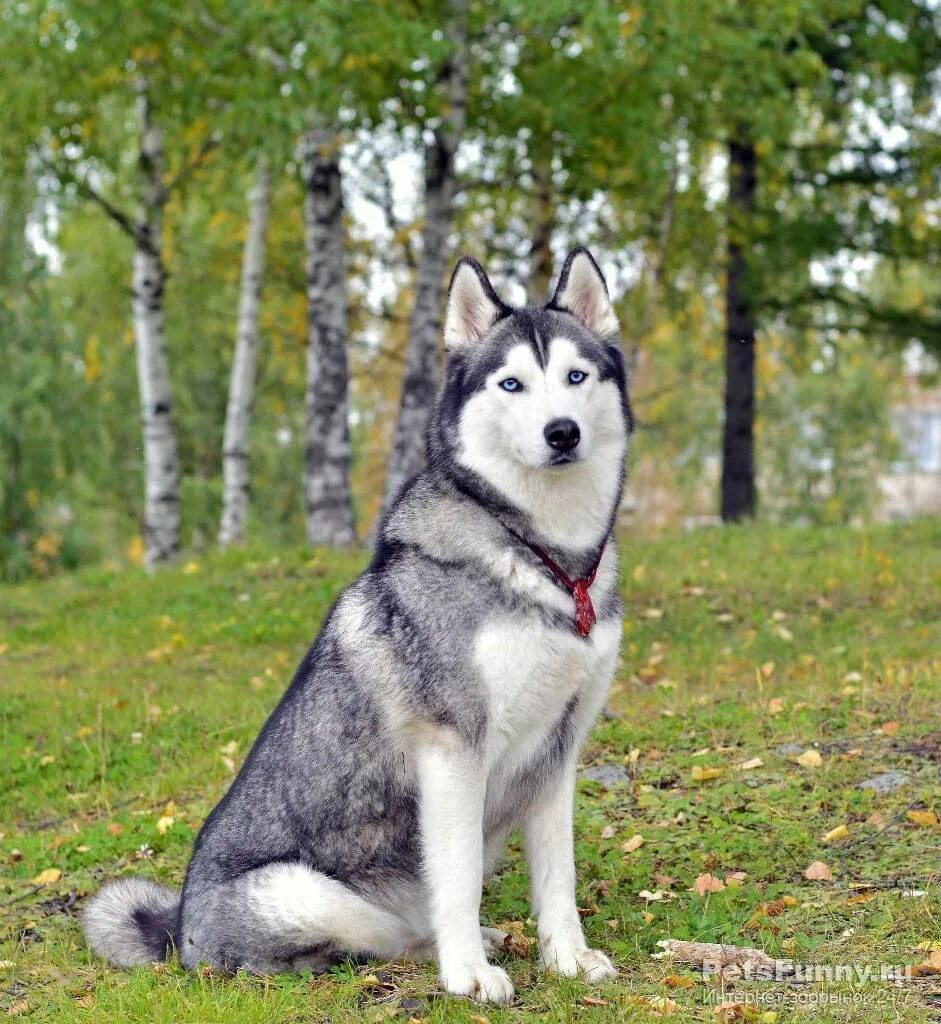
x=447 y=696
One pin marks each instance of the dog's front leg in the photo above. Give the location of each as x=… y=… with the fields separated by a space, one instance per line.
x=549 y=838
x=451 y=793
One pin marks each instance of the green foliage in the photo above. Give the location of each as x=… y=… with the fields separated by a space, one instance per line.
x=605 y=124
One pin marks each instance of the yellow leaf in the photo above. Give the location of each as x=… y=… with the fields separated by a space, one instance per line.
x=639 y=573
x=632 y=844
x=837 y=835
x=136 y=551
x=47 y=877
x=927 y=819
x=83 y=731
x=165 y=823
x=775 y=706
x=191 y=568
x=767 y=669
x=701 y=774
x=747 y=766
x=810 y=759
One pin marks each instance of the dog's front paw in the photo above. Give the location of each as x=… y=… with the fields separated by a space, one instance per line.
x=486 y=983
x=592 y=964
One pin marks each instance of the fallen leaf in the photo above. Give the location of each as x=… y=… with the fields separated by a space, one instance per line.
x=18 y=1008
x=478 y=1018
x=608 y=832
x=775 y=706
x=640 y=571
x=783 y=633
x=47 y=877
x=927 y=819
x=809 y=759
x=707 y=883
x=115 y=828
x=191 y=568
x=83 y=731
x=889 y=728
x=704 y=774
x=679 y=981
x=229 y=748
x=836 y=835
x=593 y=1001
x=632 y=844
x=86 y=1002
x=165 y=823
x=659 y=1006
x=877 y=819
x=652 y=613
x=750 y=765
x=817 y=871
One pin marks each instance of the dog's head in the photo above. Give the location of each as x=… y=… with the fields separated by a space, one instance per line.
x=534 y=402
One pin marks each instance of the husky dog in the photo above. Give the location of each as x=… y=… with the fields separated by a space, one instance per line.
x=447 y=696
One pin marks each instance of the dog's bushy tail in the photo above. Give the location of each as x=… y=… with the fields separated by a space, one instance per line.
x=132 y=921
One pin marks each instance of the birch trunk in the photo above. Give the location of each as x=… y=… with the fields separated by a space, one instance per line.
x=238 y=415
x=420 y=380
x=328 y=500
x=161 y=454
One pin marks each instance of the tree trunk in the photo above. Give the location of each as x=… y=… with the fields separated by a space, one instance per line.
x=238 y=415
x=161 y=454
x=420 y=380
x=738 y=455
x=328 y=500
x=539 y=278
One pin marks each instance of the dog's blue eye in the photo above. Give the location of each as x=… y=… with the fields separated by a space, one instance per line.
x=577 y=376
x=511 y=384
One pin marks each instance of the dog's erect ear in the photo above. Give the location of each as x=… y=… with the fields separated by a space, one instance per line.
x=473 y=305
x=583 y=293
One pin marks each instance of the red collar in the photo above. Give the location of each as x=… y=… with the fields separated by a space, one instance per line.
x=585 y=616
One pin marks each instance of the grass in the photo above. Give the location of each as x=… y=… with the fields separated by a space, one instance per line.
x=128 y=701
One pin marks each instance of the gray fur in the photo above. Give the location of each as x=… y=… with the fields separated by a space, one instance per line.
x=131 y=921
x=329 y=784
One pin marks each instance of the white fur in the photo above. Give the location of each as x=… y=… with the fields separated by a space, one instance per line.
x=502 y=439
x=470 y=310
x=452 y=788
x=308 y=907
x=586 y=297
x=549 y=838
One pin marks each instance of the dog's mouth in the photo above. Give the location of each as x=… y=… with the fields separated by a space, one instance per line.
x=562 y=459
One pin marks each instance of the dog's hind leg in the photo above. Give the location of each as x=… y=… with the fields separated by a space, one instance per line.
x=281 y=917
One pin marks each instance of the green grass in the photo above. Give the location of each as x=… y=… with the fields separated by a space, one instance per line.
x=121 y=693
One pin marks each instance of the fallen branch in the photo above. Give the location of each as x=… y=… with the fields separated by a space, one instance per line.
x=729 y=961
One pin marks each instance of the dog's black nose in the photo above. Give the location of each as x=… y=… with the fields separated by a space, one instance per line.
x=563 y=435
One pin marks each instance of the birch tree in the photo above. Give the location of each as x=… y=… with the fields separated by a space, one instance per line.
x=420 y=379
x=161 y=451
x=235 y=445
x=327 y=499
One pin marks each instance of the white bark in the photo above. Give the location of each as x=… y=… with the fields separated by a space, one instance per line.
x=238 y=415
x=420 y=379
x=161 y=454
x=328 y=501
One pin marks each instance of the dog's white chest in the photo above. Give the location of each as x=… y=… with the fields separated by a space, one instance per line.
x=533 y=675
